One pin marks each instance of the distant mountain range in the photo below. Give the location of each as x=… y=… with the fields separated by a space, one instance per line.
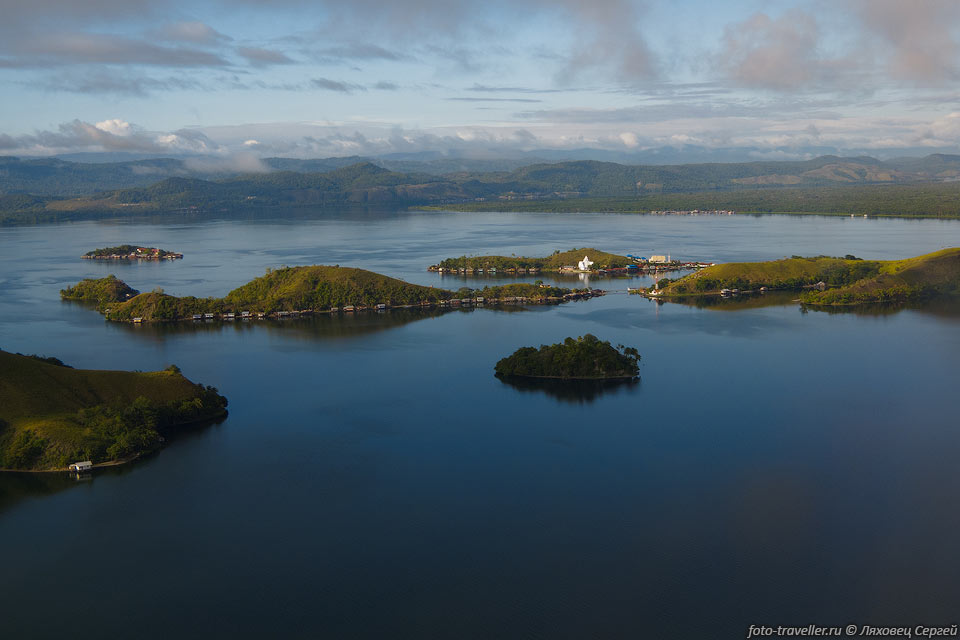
x=62 y=188
x=462 y=177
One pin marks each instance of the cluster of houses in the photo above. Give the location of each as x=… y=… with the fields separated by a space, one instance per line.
x=482 y=270
x=694 y=212
x=140 y=253
x=352 y=308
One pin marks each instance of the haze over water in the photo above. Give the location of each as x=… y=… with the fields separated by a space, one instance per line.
x=374 y=479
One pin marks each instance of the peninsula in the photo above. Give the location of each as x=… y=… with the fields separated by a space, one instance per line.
x=303 y=290
x=52 y=415
x=824 y=280
x=131 y=252
x=583 y=358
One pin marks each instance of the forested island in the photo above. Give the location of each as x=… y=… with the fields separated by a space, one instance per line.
x=52 y=415
x=583 y=358
x=299 y=290
x=131 y=252
x=513 y=264
x=824 y=280
x=99 y=291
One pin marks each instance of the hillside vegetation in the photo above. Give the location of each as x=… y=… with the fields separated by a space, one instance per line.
x=845 y=280
x=924 y=276
x=52 y=415
x=583 y=358
x=312 y=288
x=601 y=259
x=100 y=291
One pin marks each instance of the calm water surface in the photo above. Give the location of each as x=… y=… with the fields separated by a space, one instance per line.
x=374 y=479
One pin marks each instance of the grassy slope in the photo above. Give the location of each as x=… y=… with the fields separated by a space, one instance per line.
x=930 y=274
x=44 y=398
x=288 y=289
x=317 y=288
x=854 y=280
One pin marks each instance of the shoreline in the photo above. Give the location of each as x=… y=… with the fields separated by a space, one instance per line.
x=571 y=379
x=127 y=460
x=454 y=303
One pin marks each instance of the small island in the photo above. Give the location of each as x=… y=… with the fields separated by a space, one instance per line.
x=52 y=415
x=100 y=291
x=585 y=260
x=583 y=358
x=131 y=252
x=295 y=291
x=825 y=280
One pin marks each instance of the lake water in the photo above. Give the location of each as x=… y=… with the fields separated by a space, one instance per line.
x=374 y=479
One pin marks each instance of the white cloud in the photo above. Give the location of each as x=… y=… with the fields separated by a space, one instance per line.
x=630 y=140
x=116 y=127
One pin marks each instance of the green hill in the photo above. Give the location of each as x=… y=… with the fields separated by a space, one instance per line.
x=583 y=358
x=601 y=259
x=52 y=415
x=100 y=290
x=845 y=280
x=924 y=276
x=313 y=288
x=316 y=288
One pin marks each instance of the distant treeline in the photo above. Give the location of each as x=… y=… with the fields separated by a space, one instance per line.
x=921 y=200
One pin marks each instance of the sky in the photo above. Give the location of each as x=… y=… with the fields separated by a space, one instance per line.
x=239 y=80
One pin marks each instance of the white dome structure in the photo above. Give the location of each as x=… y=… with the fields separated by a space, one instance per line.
x=584 y=265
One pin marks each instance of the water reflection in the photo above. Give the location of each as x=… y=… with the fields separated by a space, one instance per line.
x=945 y=306
x=738 y=302
x=322 y=326
x=572 y=391
x=16 y=486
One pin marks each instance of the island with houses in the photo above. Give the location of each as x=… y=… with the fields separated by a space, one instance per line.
x=131 y=252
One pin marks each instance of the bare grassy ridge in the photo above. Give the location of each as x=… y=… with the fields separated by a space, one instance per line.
x=52 y=415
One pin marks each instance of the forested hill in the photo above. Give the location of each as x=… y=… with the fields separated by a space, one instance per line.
x=55 y=177
x=26 y=185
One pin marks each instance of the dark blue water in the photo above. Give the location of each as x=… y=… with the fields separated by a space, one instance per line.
x=374 y=479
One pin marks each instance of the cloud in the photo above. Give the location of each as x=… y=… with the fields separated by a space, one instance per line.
x=121 y=84
x=917 y=40
x=386 y=86
x=495 y=99
x=190 y=31
x=481 y=88
x=357 y=51
x=116 y=126
x=767 y=53
x=263 y=57
x=63 y=49
x=114 y=134
x=233 y=163
x=336 y=85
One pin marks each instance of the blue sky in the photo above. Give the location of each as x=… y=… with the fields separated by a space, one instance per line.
x=643 y=78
